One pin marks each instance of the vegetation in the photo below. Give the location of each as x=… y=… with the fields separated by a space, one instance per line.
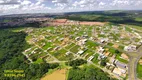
x=103 y=62
x=121 y=59
x=139 y=71
x=120 y=17
x=96 y=60
x=33 y=24
x=12 y=44
x=76 y=62
x=88 y=73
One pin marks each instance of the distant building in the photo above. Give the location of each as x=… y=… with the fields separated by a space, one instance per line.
x=106 y=53
x=124 y=56
x=101 y=50
x=80 y=52
x=130 y=48
x=117 y=71
x=112 y=60
x=120 y=65
x=67 y=53
x=103 y=40
x=90 y=58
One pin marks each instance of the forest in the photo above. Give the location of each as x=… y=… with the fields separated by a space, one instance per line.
x=12 y=44
x=88 y=73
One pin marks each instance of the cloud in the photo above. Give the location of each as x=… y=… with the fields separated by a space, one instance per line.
x=26 y=2
x=60 y=1
x=42 y=6
x=9 y=2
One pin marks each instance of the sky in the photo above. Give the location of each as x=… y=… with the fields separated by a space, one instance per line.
x=57 y=6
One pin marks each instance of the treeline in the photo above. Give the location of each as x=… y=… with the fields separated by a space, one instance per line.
x=117 y=18
x=76 y=62
x=12 y=44
x=88 y=73
x=32 y=24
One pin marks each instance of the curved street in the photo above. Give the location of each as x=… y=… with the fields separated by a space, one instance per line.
x=133 y=61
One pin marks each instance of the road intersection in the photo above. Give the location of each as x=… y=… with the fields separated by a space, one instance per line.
x=133 y=61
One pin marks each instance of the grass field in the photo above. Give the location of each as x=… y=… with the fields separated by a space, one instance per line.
x=139 y=71
x=75 y=49
x=121 y=60
x=138 y=19
x=91 y=45
x=38 y=61
x=95 y=60
x=69 y=46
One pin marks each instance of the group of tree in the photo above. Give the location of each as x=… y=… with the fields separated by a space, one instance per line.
x=76 y=62
x=12 y=44
x=88 y=73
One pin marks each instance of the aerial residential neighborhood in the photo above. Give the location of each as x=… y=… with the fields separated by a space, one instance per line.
x=70 y=39
x=103 y=45
x=93 y=43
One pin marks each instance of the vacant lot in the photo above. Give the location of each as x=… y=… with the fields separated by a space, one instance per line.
x=57 y=75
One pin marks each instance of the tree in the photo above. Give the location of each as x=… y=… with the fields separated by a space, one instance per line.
x=103 y=62
x=76 y=62
x=88 y=73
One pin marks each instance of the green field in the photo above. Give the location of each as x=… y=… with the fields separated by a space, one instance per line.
x=139 y=71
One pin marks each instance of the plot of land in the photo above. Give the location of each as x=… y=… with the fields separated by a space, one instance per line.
x=57 y=75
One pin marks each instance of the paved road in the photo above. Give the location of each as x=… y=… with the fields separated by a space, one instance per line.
x=133 y=61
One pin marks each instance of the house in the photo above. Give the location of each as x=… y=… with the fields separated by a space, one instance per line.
x=115 y=46
x=67 y=53
x=101 y=50
x=120 y=65
x=124 y=56
x=112 y=60
x=130 y=48
x=103 y=40
x=77 y=38
x=56 y=48
x=61 y=39
x=117 y=71
x=140 y=42
x=101 y=56
x=28 y=50
x=123 y=71
x=85 y=36
x=80 y=52
x=82 y=42
x=106 y=53
x=90 y=58
x=102 y=33
x=91 y=38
